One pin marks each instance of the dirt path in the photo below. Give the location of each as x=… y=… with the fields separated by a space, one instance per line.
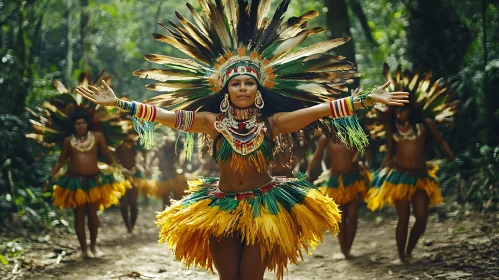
x=452 y=249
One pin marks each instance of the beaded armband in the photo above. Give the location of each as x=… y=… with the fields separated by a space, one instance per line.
x=139 y=110
x=143 y=116
x=184 y=120
x=341 y=108
x=362 y=99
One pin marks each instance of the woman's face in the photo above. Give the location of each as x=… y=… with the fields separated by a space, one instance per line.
x=129 y=143
x=81 y=127
x=402 y=114
x=242 y=91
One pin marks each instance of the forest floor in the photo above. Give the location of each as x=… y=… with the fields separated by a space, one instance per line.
x=460 y=246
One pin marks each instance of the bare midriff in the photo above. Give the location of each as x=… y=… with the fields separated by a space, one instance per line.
x=236 y=181
x=340 y=158
x=83 y=163
x=409 y=154
x=126 y=156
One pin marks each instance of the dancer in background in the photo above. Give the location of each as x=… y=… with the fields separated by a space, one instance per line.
x=346 y=182
x=126 y=155
x=405 y=179
x=172 y=183
x=85 y=185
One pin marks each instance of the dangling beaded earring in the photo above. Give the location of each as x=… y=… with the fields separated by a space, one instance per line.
x=224 y=105
x=259 y=100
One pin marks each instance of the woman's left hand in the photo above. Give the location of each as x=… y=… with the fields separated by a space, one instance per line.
x=395 y=98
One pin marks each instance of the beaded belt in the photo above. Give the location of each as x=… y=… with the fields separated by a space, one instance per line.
x=214 y=191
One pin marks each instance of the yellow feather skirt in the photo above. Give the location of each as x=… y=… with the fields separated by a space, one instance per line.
x=145 y=186
x=175 y=186
x=283 y=217
x=344 y=188
x=72 y=190
x=390 y=185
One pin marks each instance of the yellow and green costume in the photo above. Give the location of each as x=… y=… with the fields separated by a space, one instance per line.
x=283 y=216
x=389 y=185
x=231 y=38
x=72 y=190
x=51 y=124
x=145 y=186
x=345 y=187
x=175 y=186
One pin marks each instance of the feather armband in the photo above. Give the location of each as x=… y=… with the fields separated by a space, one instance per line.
x=346 y=123
x=143 y=116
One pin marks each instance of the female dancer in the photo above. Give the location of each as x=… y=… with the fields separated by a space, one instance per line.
x=68 y=122
x=247 y=89
x=405 y=180
x=345 y=182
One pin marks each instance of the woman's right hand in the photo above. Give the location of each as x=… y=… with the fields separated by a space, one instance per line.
x=103 y=97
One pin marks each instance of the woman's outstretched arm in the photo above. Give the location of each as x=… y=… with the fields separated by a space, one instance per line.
x=288 y=122
x=182 y=120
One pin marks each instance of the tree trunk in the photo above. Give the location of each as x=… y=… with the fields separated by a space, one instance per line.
x=357 y=10
x=338 y=25
x=84 y=32
x=21 y=52
x=156 y=18
x=437 y=38
x=68 y=73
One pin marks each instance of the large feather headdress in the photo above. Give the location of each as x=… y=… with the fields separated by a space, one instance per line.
x=51 y=123
x=235 y=37
x=433 y=97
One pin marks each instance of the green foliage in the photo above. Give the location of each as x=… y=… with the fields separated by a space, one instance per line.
x=19 y=174
x=473 y=176
x=387 y=20
x=440 y=47
x=11 y=251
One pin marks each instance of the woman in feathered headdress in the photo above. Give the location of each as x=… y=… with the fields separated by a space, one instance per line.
x=82 y=131
x=246 y=88
x=406 y=178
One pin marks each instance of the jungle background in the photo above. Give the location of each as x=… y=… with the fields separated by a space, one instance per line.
x=45 y=40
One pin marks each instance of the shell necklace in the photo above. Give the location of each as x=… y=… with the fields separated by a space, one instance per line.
x=406 y=132
x=84 y=144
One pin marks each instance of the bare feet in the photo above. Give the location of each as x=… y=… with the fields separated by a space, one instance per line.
x=348 y=256
x=96 y=252
x=339 y=256
x=408 y=257
x=399 y=261
x=84 y=255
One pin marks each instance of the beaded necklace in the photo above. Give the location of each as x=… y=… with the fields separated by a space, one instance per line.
x=406 y=133
x=243 y=131
x=242 y=114
x=84 y=145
